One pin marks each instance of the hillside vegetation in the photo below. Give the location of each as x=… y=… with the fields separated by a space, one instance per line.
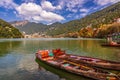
x=105 y=16
x=100 y=32
x=8 y=31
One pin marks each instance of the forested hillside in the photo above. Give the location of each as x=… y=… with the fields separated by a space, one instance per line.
x=8 y=31
x=96 y=19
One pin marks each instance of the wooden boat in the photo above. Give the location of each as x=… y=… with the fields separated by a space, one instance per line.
x=113 y=40
x=96 y=62
x=109 y=45
x=61 y=73
x=79 y=69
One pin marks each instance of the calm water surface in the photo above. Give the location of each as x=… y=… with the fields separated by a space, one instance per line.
x=17 y=57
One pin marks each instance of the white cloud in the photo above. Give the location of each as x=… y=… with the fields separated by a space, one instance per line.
x=9 y=4
x=30 y=9
x=104 y=2
x=74 y=3
x=46 y=5
x=84 y=10
x=51 y=16
x=83 y=14
x=71 y=5
x=34 y=12
x=37 y=18
x=69 y=15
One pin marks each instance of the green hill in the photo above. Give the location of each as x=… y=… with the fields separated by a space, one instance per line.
x=8 y=31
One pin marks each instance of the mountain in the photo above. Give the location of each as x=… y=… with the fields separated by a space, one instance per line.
x=32 y=27
x=8 y=31
x=104 y=16
x=19 y=23
x=95 y=20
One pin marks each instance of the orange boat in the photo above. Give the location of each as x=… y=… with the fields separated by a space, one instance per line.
x=77 y=68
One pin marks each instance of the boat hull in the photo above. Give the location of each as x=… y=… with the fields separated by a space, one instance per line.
x=95 y=62
x=61 y=73
x=90 y=74
x=108 y=45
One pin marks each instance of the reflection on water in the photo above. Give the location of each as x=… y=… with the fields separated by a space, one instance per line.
x=8 y=46
x=17 y=57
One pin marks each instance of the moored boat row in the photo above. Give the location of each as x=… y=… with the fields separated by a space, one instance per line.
x=57 y=59
x=96 y=62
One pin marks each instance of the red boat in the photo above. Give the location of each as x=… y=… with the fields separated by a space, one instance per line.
x=95 y=62
x=77 y=68
x=110 y=45
x=113 y=40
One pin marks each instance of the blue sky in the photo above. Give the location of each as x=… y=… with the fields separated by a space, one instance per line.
x=50 y=11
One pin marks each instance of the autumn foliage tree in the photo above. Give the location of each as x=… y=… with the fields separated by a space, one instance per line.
x=101 y=31
x=86 y=32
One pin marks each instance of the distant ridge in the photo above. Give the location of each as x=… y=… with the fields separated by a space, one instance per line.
x=19 y=23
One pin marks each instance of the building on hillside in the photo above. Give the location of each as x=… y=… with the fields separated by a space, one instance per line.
x=117 y=20
x=35 y=35
x=27 y=36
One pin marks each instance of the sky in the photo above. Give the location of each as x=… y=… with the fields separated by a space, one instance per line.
x=50 y=11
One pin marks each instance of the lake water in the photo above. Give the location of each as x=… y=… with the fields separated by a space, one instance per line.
x=17 y=57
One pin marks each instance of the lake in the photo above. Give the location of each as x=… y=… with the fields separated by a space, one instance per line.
x=18 y=62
